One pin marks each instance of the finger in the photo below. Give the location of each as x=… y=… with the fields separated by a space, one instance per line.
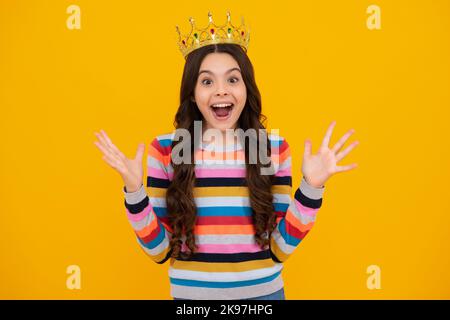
x=111 y=162
x=307 y=151
x=341 y=141
x=326 y=139
x=342 y=154
x=105 y=151
x=346 y=168
x=103 y=142
x=140 y=151
x=112 y=146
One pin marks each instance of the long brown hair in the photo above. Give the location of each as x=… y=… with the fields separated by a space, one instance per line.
x=181 y=207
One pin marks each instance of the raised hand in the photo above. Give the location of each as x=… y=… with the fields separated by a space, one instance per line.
x=318 y=168
x=130 y=169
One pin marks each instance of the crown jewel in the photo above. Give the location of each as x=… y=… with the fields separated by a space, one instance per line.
x=226 y=33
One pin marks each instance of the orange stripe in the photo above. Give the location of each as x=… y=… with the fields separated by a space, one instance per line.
x=286 y=153
x=297 y=223
x=227 y=229
x=165 y=159
x=147 y=229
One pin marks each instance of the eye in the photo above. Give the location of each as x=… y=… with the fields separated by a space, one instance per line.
x=203 y=81
x=235 y=79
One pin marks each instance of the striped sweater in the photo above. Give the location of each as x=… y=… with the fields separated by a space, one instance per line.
x=229 y=264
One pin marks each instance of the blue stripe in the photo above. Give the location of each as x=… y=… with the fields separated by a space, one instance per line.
x=232 y=284
x=280 y=207
x=165 y=142
x=161 y=212
x=168 y=142
x=293 y=241
x=275 y=143
x=155 y=242
x=224 y=211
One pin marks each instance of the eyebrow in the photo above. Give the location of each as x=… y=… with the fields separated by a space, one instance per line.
x=207 y=71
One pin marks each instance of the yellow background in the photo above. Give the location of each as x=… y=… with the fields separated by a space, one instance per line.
x=315 y=61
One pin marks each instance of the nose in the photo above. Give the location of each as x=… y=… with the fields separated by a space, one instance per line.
x=221 y=90
x=221 y=93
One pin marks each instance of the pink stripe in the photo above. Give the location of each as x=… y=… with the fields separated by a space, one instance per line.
x=284 y=173
x=305 y=210
x=225 y=248
x=141 y=215
x=210 y=173
x=157 y=173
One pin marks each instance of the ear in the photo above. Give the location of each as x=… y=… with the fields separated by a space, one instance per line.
x=192 y=99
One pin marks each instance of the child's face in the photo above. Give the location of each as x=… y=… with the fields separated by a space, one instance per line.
x=220 y=86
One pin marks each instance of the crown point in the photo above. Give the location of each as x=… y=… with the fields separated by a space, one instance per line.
x=218 y=34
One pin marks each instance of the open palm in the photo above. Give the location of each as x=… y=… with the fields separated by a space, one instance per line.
x=130 y=169
x=318 y=168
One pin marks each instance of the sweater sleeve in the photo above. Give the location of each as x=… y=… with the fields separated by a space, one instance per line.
x=146 y=208
x=295 y=216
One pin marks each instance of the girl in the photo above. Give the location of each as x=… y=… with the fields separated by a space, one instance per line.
x=225 y=227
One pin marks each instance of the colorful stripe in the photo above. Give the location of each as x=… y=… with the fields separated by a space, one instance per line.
x=228 y=263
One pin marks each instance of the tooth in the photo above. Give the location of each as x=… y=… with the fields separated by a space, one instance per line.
x=222 y=105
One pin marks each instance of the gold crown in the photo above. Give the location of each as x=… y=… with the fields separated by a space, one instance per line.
x=226 y=33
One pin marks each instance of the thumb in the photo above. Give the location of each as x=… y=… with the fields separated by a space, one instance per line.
x=307 y=148
x=140 y=151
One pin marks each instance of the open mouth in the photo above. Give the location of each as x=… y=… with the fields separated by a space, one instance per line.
x=222 y=111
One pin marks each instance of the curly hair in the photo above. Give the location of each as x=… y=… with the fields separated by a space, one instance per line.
x=181 y=207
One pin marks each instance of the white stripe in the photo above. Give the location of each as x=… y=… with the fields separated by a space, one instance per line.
x=206 y=165
x=285 y=164
x=158 y=249
x=158 y=202
x=286 y=248
x=154 y=163
x=139 y=225
x=224 y=239
x=275 y=137
x=224 y=276
x=282 y=198
x=222 y=201
x=166 y=136
x=202 y=293
x=219 y=161
x=305 y=219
